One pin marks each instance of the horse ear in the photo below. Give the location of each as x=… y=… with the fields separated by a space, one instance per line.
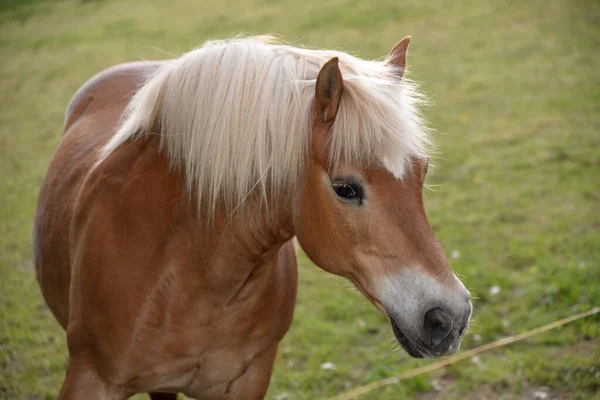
x=397 y=56
x=328 y=91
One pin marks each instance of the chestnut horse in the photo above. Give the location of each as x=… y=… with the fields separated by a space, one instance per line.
x=164 y=233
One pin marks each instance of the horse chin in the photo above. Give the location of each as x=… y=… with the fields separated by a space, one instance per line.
x=405 y=342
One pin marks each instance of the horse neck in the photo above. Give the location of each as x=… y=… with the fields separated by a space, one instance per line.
x=214 y=255
x=253 y=231
x=236 y=251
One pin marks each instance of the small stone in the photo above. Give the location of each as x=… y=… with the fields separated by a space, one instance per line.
x=476 y=337
x=538 y=394
x=494 y=290
x=435 y=385
x=328 y=366
x=455 y=254
x=476 y=360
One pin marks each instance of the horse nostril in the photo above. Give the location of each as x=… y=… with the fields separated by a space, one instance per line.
x=437 y=326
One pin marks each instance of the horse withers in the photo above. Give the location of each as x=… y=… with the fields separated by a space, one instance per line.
x=164 y=233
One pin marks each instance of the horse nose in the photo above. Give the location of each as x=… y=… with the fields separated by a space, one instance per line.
x=437 y=326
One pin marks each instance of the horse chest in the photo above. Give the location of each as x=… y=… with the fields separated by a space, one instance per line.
x=206 y=369
x=202 y=350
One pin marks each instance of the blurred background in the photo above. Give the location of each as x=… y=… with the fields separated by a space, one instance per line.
x=513 y=195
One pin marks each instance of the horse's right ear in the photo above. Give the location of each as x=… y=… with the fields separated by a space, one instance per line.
x=328 y=90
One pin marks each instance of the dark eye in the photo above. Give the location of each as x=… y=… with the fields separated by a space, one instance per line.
x=348 y=191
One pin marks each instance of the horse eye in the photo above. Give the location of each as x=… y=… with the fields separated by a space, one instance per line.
x=344 y=190
x=347 y=191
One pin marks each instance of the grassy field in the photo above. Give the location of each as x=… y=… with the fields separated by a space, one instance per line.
x=515 y=196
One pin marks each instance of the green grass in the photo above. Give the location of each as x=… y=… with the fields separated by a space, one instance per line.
x=516 y=93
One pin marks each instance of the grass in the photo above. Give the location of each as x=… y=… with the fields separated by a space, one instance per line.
x=515 y=198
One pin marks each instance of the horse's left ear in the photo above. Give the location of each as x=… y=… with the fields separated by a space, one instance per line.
x=397 y=56
x=328 y=90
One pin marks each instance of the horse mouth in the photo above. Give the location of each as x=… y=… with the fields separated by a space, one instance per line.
x=405 y=342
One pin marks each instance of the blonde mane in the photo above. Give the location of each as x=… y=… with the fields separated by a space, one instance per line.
x=236 y=115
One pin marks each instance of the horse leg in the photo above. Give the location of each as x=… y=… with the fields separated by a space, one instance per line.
x=163 y=396
x=84 y=382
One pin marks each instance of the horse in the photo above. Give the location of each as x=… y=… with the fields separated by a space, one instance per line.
x=165 y=234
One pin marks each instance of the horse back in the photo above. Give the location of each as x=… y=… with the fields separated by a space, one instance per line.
x=91 y=119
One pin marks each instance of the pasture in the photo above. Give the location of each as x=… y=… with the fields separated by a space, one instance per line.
x=513 y=193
